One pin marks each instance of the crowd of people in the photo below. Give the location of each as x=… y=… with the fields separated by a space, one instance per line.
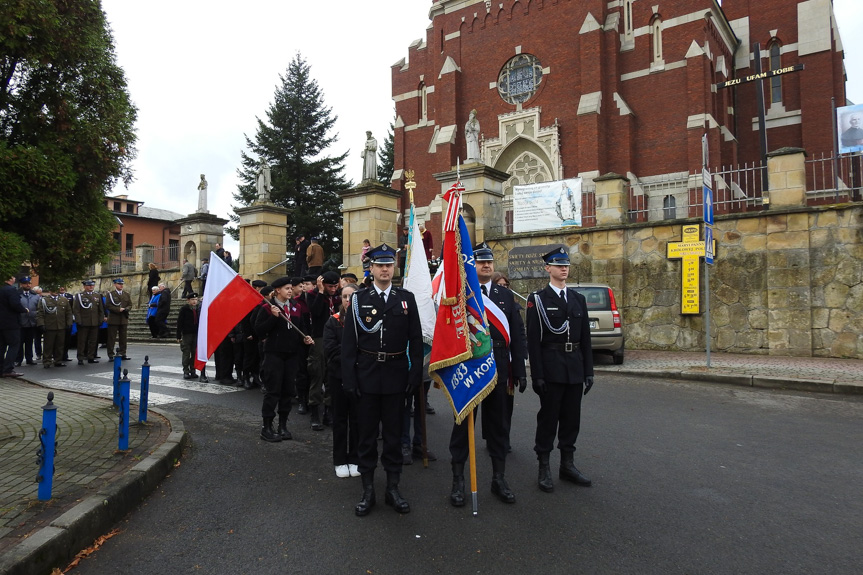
x=350 y=355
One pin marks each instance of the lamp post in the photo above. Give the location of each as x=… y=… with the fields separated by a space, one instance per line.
x=119 y=221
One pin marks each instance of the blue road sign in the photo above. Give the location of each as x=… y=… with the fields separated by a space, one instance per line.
x=708 y=244
x=708 y=206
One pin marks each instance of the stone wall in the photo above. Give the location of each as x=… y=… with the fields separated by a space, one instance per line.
x=786 y=281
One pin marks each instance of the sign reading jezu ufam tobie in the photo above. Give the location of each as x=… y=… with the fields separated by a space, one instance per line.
x=546 y=205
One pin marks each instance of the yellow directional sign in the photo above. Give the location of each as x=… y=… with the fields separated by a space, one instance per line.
x=690 y=250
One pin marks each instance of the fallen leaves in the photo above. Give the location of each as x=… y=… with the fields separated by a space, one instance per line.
x=84 y=553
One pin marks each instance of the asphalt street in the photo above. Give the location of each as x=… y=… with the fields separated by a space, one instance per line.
x=687 y=478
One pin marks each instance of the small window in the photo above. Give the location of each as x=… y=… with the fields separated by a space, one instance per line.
x=117 y=207
x=423 y=111
x=669 y=208
x=775 y=64
x=656 y=34
x=627 y=17
x=130 y=240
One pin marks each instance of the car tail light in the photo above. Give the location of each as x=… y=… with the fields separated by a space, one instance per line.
x=615 y=315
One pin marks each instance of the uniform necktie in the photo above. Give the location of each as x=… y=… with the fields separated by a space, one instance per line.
x=484 y=291
x=384 y=296
x=563 y=295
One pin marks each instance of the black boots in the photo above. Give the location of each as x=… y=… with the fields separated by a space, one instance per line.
x=368 y=501
x=303 y=408
x=328 y=416
x=456 y=496
x=545 y=482
x=283 y=428
x=392 y=496
x=569 y=472
x=315 y=410
x=267 y=433
x=498 y=482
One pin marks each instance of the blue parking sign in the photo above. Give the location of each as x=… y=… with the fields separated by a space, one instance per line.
x=708 y=244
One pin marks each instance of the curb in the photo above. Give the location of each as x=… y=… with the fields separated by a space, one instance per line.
x=746 y=380
x=59 y=542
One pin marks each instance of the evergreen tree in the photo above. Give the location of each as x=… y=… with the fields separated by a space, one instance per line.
x=293 y=140
x=66 y=135
x=386 y=158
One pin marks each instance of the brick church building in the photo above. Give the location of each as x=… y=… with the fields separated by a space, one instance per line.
x=569 y=88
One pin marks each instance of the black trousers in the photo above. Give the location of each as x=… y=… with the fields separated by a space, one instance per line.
x=251 y=358
x=493 y=412
x=10 y=344
x=385 y=410
x=345 y=436
x=279 y=375
x=28 y=339
x=303 y=375
x=559 y=414
x=224 y=359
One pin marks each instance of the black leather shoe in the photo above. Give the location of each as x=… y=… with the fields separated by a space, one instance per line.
x=544 y=480
x=267 y=434
x=92 y=361
x=429 y=409
x=572 y=474
x=456 y=495
x=204 y=379
x=368 y=501
x=501 y=489
x=284 y=433
x=395 y=500
x=59 y=365
x=303 y=408
x=126 y=358
x=31 y=362
x=316 y=418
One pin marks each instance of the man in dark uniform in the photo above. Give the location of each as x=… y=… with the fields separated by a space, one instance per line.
x=300 y=309
x=510 y=352
x=118 y=302
x=89 y=314
x=251 y=358
x=282 y=345
x=382 y=331
x=561 y=367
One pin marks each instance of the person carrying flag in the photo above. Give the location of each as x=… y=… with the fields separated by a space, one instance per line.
x=283 y=344
x=382 y=357
x=510 y=351
x=561 y=367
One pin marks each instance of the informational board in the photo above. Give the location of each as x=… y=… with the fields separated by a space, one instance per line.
x=526 y=262
x=546 y=206
x=849 y=128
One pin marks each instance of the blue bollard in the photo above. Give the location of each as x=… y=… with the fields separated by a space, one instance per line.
x=117 y=365
x=47 y=449
x=145 y=390
x=123 y=442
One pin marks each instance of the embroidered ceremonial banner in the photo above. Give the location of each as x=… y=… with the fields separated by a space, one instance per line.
x=461 y=360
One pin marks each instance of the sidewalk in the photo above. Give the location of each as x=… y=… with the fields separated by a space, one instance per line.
x=94 y=485
x=825 y=375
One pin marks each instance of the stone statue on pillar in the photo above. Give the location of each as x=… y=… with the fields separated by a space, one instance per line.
x=263 y=182
x=471 y=135
x=202 y=196
x=370 y=158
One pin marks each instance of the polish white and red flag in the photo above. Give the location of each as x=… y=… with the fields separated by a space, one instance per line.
x=226 y=300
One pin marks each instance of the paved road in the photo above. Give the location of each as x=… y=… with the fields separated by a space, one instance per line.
x=688 y=478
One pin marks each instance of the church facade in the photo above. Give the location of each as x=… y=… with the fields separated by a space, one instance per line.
x=582 y=88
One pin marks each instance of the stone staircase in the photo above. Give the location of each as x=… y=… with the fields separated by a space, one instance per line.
x=139 y=331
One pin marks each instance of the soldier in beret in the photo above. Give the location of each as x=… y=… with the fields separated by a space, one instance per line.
x=561 y=367
x=381 y=330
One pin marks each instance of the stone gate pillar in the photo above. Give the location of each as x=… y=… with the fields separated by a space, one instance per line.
x=263 y=241
x=369 y=211
x=483 y=195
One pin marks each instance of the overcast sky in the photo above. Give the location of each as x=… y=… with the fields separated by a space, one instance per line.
x=200 y=72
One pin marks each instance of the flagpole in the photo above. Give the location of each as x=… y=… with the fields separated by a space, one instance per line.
x=471 y=443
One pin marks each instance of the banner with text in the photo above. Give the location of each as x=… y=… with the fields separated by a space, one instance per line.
x=546 y=206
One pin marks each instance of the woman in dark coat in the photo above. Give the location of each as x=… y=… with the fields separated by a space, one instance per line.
x=345 y=435
x=153 y=279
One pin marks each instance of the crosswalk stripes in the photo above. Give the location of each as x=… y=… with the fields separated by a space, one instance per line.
x=107 y=391
x=188 y=385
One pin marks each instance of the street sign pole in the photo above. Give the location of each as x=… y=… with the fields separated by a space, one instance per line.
x=708 y=238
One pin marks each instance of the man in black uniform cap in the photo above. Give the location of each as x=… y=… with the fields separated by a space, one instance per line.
x=561 y=367
x=382 y=331
x=509 y=360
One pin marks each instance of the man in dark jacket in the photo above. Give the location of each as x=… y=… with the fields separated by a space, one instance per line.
x=163 y=310
x=187 y=334
x=323 y=302
x=10 y=326
x=282 y=345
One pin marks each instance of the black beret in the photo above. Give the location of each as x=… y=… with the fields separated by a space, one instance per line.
x=331 y=278
x=258 y=283
x=282 y=281
x=296 y=280
x=311 y=279
x=266 y=290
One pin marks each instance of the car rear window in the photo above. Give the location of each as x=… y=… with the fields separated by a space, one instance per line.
x=596 y=297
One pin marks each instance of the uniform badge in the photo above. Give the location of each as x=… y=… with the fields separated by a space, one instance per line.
x=368 y=319
x=405 y=307
x=530 y=304
x=374 y=312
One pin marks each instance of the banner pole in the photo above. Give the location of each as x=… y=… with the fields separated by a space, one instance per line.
x=421 y=408
x=472 y=450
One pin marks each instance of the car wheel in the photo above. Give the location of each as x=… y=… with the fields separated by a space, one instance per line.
x=617 y=356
